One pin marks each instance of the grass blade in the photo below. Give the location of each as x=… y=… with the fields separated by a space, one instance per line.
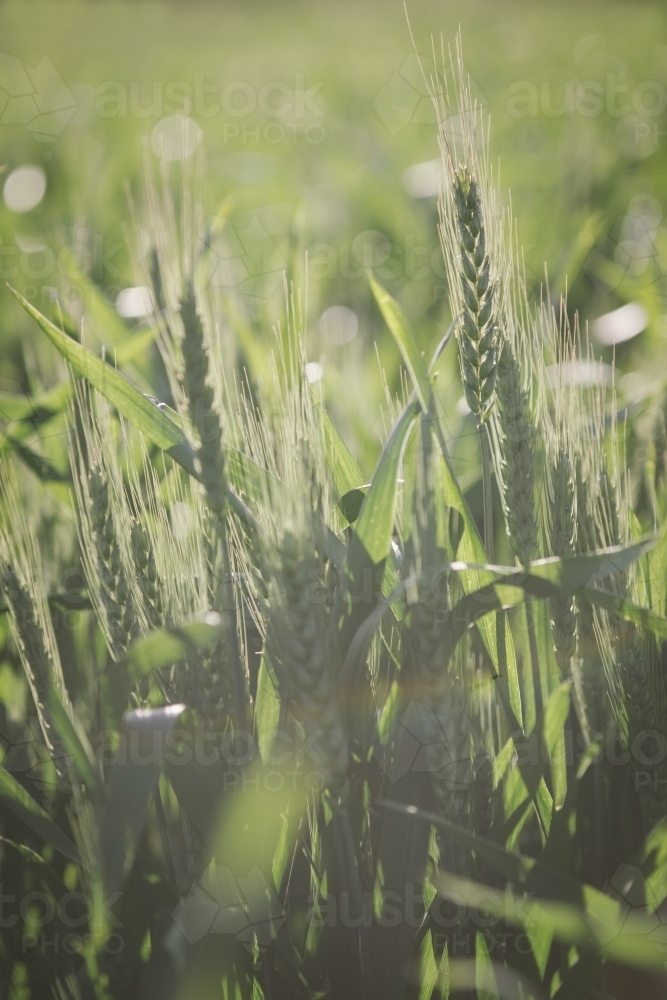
x=22 y=803
x=400 y=330
x=601 y=923
x=76 y=743
x=148 y=418
x=343 y=466
x=630 y=612
x=471 y=549
x=160 y=649
x=371 y=543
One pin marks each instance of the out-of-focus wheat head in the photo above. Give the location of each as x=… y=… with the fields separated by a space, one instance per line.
x=24 y=585
x=104 y=521
x=286 y=439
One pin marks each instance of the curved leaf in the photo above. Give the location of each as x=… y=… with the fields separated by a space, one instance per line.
x=601 y=923
x=399 y=327
x=442 y=345
x=148 y=418
x=630 y=612
x=160 y=649
x=376 y=521
x=76 y=743
x=546 y=577
x=371 y=543
x=552 y=576
x=343 y=466
x=22 y=803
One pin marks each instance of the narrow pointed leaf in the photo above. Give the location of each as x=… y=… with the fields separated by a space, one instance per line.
x=148 y=418
x=601 y=923
x=22 y=803
x=343 y=466
x=555 y=715
x=630 y=612
x=485 y=979
x=76 y=743
x=371 y=543
x=267 y=708
x=546 y=577
x=376 y=521
x=400 y=329
x=441 y=346
x=471 y=549
x=161 y=649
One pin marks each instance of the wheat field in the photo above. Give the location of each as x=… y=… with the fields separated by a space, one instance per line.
x=273 y=728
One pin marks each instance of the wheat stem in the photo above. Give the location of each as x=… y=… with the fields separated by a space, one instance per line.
x=534 y=655
x=487 y=497
x=563 y=534
x=591 y=667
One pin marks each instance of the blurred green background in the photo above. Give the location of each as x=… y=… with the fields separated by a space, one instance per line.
x=315 y=125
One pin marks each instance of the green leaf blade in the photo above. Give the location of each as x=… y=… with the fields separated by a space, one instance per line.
x=400 y=330
x=114 y=386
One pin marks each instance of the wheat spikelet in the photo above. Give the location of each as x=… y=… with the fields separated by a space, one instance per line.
x=114 y=591
x=104 y=521
x=598 y=525
x=285 y=437
x=517 y=446
x=146 y=570
x=608 y=501
x=21 y=582
x=311 y=682
x=478 y=268
x=39 y=665
x=200 y=396
x=209 y=683
x=471 y=237
x=478 y=330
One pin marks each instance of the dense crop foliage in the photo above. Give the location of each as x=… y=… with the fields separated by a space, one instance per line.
x=293 y=733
